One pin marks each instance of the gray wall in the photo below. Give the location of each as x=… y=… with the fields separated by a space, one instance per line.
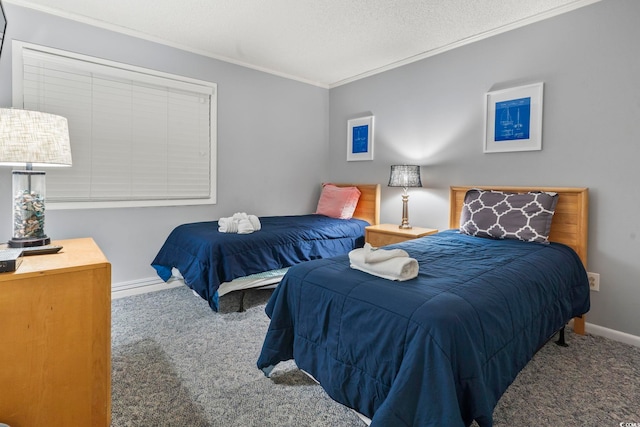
x=272 y=142
x=431 y=113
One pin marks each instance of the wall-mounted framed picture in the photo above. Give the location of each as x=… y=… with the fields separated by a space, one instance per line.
x=513 y=119
x=360 y=139
x=3 y=25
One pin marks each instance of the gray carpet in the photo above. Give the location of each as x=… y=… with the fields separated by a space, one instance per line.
x=177 y=363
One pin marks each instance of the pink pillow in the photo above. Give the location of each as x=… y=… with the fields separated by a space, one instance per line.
x=338 y=202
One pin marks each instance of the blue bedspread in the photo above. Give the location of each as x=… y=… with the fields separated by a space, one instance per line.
x=206 y=258
x=437 y=350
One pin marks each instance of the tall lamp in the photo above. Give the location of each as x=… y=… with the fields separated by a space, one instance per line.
x=405 y=176
x=35 y=139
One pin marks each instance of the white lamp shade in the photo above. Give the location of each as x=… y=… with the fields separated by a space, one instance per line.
x=41 y=139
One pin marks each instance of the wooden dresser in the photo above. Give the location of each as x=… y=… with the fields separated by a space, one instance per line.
x=55 y=339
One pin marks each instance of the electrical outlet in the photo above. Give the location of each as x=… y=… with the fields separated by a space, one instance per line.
x=594 y=281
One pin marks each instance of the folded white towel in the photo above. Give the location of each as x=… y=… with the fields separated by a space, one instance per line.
x=227 y=225
x=244 y=226
x=397 y=268
x=255 y=222
x=373 y=255
x=240 y=223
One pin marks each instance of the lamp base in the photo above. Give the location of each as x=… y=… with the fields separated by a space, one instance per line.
x=28 y=242
x=405 y=212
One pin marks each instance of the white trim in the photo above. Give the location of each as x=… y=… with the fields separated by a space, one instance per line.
x=53 y=205
x=145 y=75
x=119 y=69
x=142 y=286
x=154 y=39
x=622 y=337
x=111 y=27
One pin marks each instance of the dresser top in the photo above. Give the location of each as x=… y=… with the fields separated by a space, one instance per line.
x=76 y=254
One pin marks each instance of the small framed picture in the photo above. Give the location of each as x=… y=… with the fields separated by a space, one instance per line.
x=513 y=119
x=360 y=139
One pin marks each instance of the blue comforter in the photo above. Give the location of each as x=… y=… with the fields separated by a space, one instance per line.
x=206 y=258
x=437 y=350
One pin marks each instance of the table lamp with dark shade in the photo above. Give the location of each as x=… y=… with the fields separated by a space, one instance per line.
x=31 y=138
x=405 y=176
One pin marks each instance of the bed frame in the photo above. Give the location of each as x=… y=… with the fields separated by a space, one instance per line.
x=569 y=225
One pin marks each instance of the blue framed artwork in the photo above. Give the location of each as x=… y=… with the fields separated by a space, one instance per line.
x=360 y=139
x=513 y=119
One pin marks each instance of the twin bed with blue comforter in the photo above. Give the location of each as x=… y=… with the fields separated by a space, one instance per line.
x=207 y=258
x=440 y=349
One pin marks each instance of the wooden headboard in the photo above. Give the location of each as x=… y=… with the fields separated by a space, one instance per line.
x=568 y=226
x=570 y=220
x=368 y=208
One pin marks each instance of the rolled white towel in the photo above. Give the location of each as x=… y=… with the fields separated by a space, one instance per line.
x=240 y=223
x=245 y=227
x=373 y=255
x=227 y=225
x=255 y=222
x=398 y=268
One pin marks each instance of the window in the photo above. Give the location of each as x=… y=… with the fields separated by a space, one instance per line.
x=138 y=137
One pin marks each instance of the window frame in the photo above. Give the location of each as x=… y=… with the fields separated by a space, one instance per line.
x=18 y=48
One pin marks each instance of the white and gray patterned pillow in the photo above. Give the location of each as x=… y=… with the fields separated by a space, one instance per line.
x=504 y=215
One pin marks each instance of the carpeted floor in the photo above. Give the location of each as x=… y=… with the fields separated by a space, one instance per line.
x=177 y=363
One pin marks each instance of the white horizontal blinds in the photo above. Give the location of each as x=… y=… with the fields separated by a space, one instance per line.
x=188 y=148
x=52 y=87
x=134 y=136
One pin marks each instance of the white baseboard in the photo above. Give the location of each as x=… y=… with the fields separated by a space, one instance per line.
x=622 y=337
x=143 y=286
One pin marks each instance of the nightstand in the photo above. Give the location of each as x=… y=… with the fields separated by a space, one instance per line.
x=386 y=234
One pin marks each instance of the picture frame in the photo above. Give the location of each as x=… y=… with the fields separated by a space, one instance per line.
x=360 y=139
x=513 y=119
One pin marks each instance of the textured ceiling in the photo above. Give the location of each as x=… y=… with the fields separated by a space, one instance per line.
x=323 y=42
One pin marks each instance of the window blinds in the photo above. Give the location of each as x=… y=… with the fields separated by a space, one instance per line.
x=135 y=136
